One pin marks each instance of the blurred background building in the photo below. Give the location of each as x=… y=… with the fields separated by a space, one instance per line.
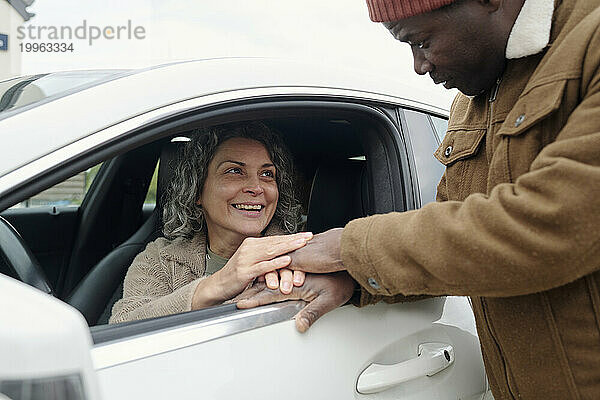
x=13 y=13
x=66 y=193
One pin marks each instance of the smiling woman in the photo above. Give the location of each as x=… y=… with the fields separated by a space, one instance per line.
x=231 y=186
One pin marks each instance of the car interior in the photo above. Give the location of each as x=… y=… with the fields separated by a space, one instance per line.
x=345 y=155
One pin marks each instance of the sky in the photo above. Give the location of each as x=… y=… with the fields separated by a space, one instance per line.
x=333 y=32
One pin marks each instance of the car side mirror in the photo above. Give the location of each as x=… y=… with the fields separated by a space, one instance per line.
x=45 y=346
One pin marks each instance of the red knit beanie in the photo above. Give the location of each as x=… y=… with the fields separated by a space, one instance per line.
x=393 y=10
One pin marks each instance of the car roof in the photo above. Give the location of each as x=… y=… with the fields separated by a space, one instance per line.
x=40 y=128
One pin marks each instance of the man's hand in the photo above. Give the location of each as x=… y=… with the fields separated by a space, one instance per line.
x=322 y=254
x=322 y=292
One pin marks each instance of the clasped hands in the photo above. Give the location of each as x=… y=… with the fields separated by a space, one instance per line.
x=270 y=269
x=314 y=273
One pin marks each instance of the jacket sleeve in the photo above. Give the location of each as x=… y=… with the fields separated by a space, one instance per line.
x=362 y=297
x=535 y=234
x=148 y=290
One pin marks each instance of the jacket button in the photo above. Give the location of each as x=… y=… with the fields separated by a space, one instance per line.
x=519 y=120
x=373 y=283
x=448 y=151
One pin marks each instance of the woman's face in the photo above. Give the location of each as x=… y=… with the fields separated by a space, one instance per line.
x=240 y=193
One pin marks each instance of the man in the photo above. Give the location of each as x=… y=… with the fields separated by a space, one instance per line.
x=517 y=222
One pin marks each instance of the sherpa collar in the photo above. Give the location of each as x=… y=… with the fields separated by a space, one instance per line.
x=531 y=31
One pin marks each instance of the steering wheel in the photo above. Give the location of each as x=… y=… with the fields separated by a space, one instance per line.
x=20 y=259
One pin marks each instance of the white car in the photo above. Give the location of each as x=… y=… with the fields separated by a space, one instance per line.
x=362 y=145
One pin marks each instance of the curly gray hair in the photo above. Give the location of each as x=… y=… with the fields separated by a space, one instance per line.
x=184 y=218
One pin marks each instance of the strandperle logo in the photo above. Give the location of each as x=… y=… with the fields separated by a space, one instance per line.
x=84 y=31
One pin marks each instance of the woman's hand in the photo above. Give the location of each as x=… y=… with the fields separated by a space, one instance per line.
x=321 y=255
x=324 y=292
x=285 y=280
x=255 y=257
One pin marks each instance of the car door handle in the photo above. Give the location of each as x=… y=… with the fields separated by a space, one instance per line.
x=431 y=359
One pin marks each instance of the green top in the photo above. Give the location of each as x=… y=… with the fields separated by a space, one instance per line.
x=214 y=262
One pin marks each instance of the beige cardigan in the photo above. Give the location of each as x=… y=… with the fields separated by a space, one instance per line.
x=162 y=279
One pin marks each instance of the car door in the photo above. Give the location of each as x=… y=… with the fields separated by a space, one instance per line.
x=258 y=354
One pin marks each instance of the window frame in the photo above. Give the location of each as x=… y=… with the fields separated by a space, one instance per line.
x=130 y=341
x=421 y=134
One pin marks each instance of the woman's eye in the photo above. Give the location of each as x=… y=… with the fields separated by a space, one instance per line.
x=235 y=170
x=268 y=173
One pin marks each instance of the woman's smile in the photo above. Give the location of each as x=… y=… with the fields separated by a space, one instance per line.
x=250 y=210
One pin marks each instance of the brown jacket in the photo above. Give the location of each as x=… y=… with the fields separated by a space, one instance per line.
x=517 y=225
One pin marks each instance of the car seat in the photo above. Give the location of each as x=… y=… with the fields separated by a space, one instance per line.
x=339 y=194
x=102 y=286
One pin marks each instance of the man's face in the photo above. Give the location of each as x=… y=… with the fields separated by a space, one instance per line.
x=461 y=46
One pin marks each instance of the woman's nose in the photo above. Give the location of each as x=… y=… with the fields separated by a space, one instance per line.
x=253 y=187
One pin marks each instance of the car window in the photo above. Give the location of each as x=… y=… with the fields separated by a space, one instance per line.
x=440 y=126
x=69 y=192
x=424 y=143
x=24 y=91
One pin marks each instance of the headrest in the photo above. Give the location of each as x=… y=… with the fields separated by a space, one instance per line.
x=338 y=195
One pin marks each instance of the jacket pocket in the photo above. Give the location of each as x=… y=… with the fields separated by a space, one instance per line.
x=461 y=153
x=533 y=122
x=458 y=145
x=533 y=106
